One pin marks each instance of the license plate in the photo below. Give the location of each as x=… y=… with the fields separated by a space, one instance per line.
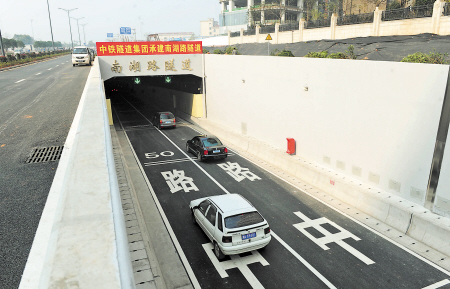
x=216 y=151
x=248 y=236
x=167 y=121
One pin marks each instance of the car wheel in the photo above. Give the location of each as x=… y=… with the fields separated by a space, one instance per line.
x=187 y=148
x=199 y=157
x=194 y=221
x=73 y=65
x=217 y=252
x=90 y=64
x=159 y=126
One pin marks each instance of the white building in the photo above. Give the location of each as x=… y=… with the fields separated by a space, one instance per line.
x=209 y=28
x=176 y=36
x=237 y=14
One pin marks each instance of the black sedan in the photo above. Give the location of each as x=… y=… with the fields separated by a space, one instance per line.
x=206 y=147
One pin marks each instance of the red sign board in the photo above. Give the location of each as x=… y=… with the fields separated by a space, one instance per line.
x=149 y=48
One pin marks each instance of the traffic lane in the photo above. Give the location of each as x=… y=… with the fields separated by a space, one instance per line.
x=9 y=77
x=278 y=201
x=130 y=112
x=24 y=187
x=20 y=97
x=283 y=270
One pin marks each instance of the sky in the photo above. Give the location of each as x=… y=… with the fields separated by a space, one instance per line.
x=104 y=16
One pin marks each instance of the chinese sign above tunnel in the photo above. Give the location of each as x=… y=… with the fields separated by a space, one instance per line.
x=148 y=48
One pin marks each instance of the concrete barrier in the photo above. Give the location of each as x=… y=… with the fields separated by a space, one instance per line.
x=403 y=215
x=81 y=240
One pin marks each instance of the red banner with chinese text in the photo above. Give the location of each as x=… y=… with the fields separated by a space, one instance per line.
x=149 y=48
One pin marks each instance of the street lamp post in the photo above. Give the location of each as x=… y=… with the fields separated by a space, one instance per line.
x=51 y=29
x=1 y=43
x=70 y=27
x=79 y=38
x=84 y=34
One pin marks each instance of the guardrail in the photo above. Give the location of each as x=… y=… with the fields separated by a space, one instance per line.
x=355 y=19
x=267 y=29
x=446 y=9
x=235 y=34
x=408 y=13
x=318 y=23
x=288 y=27
x=249 y=32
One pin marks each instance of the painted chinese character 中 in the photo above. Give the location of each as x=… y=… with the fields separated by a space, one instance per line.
x=170 y=65
x=119 y=49
x=198 y=48
x=102 y=49
x=177 y=181
x=237 y=172
x=135 y=66
x=116 y=67
x=160 y=48
x=176 y=48
x=152 y=65
x=128 y=49
x=111 y=49
x=183 y=48
x=190 y=47
x=144 y=48
x=186 y=65
x=136 y=48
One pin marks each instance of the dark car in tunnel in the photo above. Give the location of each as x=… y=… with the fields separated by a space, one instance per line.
x=206 y=147
x=164 y=119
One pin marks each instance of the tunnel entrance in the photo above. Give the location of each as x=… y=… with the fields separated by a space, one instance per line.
x=153 y=76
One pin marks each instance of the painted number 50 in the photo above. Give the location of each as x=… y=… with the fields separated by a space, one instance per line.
x=154 y=155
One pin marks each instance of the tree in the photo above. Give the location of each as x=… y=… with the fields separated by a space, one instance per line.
x=91 y=44
x=20 y=44
x=26 y=39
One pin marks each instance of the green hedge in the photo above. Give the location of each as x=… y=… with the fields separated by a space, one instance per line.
x=11 y=60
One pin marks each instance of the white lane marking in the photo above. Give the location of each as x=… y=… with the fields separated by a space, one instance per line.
x=351 y=218
x=20 y=80
x=63 y=62
x=177 y=181
x=166 y=162
x=57 y=65
x=438 y=284
x=49 y=69
x=329 y=237
x=237 y=262
x=38 y=73
x=304 y=262
x=237 y=172
x=175 y=241
x=311 y=268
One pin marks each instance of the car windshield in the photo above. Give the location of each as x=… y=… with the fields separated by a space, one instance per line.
x=211 y=142
x=243 y=220
x=167 y=116
x=80 y=51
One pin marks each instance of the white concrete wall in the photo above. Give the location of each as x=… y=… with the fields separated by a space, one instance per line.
x=368 y=120
x=358 y=30
x=407 y=26
x=316 y=34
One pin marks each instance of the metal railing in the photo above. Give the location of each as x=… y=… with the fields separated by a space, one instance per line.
x=446 y=9
x=249 y=32
x=235 y=34
x=355 y=19
x=289 y=27
x=267 y=29
x=408 y=13
x=318 y=23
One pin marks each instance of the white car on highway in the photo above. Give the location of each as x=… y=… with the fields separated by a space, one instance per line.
x=81 y=55
x=232 y=224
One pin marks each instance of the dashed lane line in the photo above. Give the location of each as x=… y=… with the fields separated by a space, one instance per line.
x=438 y=284
x=38 y=73
x=49 y=69
x=285 y=245
x=20 y=80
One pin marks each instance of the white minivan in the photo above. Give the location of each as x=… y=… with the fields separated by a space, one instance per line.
x=81 y=55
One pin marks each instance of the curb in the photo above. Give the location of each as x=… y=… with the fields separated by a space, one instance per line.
x=403 y=215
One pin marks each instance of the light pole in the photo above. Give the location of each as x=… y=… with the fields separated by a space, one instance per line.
x=84 y=34
x=51 y=29
x=70 y=27
x=79 y=38
x=1 y=43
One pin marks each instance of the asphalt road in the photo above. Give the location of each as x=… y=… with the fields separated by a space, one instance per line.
x=37 y=106
x=313 y=245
